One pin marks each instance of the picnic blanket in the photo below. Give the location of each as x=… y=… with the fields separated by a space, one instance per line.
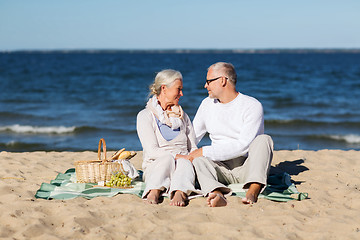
x=64 y=186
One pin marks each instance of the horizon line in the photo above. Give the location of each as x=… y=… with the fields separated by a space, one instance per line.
x=188 y=50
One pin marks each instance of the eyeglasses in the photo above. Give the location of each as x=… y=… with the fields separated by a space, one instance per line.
x=208 y=81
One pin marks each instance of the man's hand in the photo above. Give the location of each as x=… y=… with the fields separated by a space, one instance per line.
x=188 y=157
x=196 y=153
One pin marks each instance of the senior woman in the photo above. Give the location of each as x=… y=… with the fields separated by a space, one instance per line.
x=167 y=136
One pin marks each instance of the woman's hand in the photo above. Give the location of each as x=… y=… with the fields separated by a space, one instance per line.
x=196 y=153
x=188 y=157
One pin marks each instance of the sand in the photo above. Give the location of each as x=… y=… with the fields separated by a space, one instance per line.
x=330 y=177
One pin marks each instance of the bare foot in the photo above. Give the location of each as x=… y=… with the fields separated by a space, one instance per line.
x=252 y=194
x=153 y=196
x=179 y=199
x=216 y=199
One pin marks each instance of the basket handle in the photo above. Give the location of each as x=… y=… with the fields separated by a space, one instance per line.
x=102 y=141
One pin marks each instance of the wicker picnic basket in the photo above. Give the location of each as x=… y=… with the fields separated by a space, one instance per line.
x=94 y=171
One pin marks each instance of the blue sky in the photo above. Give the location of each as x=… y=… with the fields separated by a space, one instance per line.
x=166 y=24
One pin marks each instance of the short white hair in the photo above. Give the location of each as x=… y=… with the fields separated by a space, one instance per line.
x=227 y=69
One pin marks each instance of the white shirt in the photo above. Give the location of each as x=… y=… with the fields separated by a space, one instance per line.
x=231 y=126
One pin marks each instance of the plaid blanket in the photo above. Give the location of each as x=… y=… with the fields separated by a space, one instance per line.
x=64 y=186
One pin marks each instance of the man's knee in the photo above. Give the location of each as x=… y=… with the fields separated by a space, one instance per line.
x=199 y=162
x=264 y=139
x=196 y=162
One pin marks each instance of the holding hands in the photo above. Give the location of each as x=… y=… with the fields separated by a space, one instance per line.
x=194 y=154
x=188 y=157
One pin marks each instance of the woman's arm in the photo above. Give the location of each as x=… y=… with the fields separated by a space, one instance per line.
x=190 y=134
x=146 y=132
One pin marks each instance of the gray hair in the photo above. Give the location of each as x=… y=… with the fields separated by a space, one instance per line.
x=227 y=69
x=166 y=77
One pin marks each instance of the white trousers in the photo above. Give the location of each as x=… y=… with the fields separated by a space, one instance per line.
x=170 y=175
x=215 y=175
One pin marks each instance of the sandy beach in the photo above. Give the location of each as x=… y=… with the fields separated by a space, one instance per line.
x=330 y=177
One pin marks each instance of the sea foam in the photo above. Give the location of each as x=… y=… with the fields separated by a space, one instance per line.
x=36 y=129
x=350 y=138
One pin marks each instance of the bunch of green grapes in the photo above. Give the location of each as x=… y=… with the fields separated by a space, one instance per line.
x=119 y=180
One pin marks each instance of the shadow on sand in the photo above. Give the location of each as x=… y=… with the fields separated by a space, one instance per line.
x=291 y=167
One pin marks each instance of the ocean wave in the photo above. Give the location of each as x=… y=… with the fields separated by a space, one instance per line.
x=13 y=115
x=345 y=138
x=36 y=129
x=349 y=138
x=16 y=146
x=300 y=122
x=26 y=129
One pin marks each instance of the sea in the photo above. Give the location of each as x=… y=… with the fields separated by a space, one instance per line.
x=68 y=100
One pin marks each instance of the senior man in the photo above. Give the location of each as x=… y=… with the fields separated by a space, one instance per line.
x=240 y=152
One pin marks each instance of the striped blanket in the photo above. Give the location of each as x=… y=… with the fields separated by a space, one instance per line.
x=64 y=186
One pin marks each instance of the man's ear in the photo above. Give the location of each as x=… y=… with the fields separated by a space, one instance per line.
x=224 y=81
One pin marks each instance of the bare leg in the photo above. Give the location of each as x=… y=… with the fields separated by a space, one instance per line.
x=252 y=194
x=179 y=199
x=153 y=196
x=216 y=199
